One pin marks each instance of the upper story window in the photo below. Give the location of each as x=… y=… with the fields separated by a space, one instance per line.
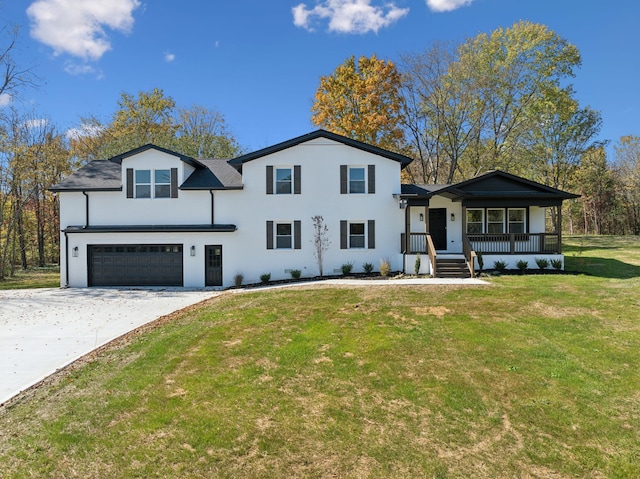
x=284 y=180
x=162 y=183
x=357 y=179
x=143 y=183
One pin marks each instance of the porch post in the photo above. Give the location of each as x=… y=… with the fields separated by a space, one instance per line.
x=559 y=228
x=407 y=229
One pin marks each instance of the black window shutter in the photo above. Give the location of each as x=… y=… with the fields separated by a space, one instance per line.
x=343 y=179
x=174 y=182
x=297 y=187
x=269 y=180
x=344 y=243
x=129 y=182
x=371 y=234
x=269 y=234
x=297 y=238
x=371 y=177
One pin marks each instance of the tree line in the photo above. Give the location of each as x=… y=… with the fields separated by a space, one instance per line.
x=501 y=100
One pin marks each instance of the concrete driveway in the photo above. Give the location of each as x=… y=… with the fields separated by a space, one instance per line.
x=43 y=330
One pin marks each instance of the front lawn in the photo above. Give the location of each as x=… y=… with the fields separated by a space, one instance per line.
x=529 y=376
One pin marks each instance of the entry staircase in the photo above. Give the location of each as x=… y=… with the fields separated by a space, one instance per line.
x=451 y=266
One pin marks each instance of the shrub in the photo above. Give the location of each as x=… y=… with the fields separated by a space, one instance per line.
x=416 y=266
x=500 y=266
x=385 y=268
x=238 y=279
x=295 y=273
x=265 y=278
x=543 y=263
x=522 y=265
x=367 y=267
x=346 y=268
x=557 y=264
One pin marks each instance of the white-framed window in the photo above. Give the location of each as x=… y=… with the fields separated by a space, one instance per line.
x=162 y=183
x=284 y=181
x=143 y=183
x=517 y=220
x=495 y=220
x=357 y=180
x=475 y=220
x=357 y=235
x=284 y=236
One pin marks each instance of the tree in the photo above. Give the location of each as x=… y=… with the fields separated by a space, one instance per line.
x=362 y=100
x=202 y=133
x=627 y=165
x=13 y=77
x=320 y=241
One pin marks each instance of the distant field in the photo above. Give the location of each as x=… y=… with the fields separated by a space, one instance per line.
x=529 y=376
x=47 y=277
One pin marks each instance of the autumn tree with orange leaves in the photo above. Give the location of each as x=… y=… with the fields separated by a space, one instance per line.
x=362 y=100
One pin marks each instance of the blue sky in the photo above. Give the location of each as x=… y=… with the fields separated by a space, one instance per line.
x=259 y=62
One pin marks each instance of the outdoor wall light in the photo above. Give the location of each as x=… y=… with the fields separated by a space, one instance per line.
x=421 y=217
x=453 y=217
x=193 y=251
x=75 y=252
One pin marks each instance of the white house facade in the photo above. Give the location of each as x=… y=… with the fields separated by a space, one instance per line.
x=154 y=217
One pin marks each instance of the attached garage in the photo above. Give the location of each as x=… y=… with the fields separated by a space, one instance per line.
x=135 y=265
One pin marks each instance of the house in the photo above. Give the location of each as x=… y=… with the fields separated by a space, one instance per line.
x=155 y=217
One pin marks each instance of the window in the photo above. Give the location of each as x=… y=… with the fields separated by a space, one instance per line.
x=162 y=186
x=356 y=235
x=143 y=183
x=159 y=183
x=284 y=180
x=283 y=236
x=517 y=220
x=475 y=221
x=356 y=180
x=495 y=221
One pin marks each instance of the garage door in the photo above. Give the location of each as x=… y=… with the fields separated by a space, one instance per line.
x=135 y=265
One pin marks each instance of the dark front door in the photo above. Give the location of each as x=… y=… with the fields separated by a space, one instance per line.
x=438 y=227
x=213 y=266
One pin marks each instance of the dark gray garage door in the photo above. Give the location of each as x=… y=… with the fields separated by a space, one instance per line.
x=135 y=265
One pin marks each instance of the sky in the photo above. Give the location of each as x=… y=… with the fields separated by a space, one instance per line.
x=259 y=62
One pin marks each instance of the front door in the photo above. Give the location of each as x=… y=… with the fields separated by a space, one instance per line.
x=213 y=265
x=438 y=227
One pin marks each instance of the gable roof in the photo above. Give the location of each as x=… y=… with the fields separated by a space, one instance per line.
x=239 y=161
x=99 y=175
x=490 y=188
x=218 y=174
x=187 y=159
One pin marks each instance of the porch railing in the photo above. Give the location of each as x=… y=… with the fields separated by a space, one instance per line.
x=469 y=255
x=417 y=243
x=431 y=251
x=515 y=243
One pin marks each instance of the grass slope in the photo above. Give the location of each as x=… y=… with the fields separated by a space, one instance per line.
x=530 y=376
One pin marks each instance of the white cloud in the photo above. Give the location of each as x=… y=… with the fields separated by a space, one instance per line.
x=84 y=130
x=5 y=100
x=169 y=57
x=78 y=69
x=36 y=123
x=77 y=27
x=348 y=16
x=447 y=5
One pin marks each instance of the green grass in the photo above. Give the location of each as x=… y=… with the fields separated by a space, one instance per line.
x=530 y=376
x=47 y=277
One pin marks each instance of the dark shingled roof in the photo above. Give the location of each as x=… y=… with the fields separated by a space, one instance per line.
x=99 y=175
x=219 y=175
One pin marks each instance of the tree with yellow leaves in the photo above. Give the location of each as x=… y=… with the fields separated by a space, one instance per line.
x=362 y=100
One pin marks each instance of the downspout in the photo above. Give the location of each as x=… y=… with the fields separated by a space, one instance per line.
x=212 y=215
x=86 y=220
x=66 y=259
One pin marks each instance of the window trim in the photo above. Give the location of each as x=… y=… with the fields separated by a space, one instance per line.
x=490 y=222
x=132 y=183
x=156 y=184
x=481 y=222
x=506 y=228
x=137 y=183
x=276 y=181
x=278 y=236
x=523 y=222
x=369 y=227
x=272 y=235
x=368 y=182
x=351 y=181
